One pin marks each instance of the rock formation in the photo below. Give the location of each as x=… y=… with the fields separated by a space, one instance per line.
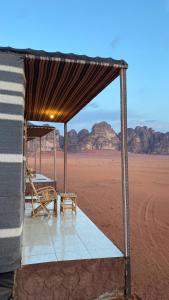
x=83 y=139
x=73 y=145
x=146 y=140
x=103 y=137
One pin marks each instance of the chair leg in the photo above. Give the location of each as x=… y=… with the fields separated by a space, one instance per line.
x=55 y=207
x=33 y=211
x=45 y=209
x=75 y=205
x=36 y=210
x=62 y=206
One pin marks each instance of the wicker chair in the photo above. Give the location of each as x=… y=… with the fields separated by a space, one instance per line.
x=43 y=197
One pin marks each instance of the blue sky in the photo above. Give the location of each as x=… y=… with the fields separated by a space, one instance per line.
x=137 y=31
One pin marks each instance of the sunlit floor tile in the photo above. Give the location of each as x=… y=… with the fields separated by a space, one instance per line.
x=41 y=258
x=106 y=252
x=37 y=250
x=72 y=255
x=65 y=237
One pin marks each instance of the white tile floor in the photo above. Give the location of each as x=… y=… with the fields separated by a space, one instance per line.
x=68 y=237
x=40 y=178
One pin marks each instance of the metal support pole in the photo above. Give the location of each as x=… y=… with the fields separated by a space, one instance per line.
x=125 y=190
x=35 y=162
x=25 y=145
x=40 y=156
x=54 y=147
x=25 y=154
x=65 y=157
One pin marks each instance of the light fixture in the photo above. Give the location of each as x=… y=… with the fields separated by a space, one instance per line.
x=51 y=116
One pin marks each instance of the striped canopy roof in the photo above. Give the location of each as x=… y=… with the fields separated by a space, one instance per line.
x=59 y=85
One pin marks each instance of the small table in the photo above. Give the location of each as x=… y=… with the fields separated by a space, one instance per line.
x=68 y=201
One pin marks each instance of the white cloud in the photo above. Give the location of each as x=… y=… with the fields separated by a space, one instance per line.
x=157 y=125
x=115 y=42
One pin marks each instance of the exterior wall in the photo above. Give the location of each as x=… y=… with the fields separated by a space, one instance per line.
x=74 y=280
x=12 y=89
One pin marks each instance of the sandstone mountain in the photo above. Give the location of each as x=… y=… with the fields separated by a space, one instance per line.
x=146 y=140
x=102 y=136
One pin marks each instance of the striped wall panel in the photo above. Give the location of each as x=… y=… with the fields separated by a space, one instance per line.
x=12 y=90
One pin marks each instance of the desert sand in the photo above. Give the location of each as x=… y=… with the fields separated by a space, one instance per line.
x=96 y=178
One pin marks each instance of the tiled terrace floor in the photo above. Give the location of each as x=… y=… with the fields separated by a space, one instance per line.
x=40 y=178
x=61 y=238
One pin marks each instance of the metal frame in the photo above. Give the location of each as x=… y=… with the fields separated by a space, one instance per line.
x=40 y=155
x=124 y=174
x=35 y=158
x=65 y=157
x=124 y=170
x=54 y=146
x=125 y=188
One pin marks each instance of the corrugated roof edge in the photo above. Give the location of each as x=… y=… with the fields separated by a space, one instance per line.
x=70 y=56
x=31 y=125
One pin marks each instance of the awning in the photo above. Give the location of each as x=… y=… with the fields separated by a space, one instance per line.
x=34 y=131
x=59 y=85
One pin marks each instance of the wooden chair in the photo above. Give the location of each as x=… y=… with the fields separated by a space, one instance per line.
x=43 y=197
x=68 y=201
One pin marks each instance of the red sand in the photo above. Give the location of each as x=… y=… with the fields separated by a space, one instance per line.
x=95 y=177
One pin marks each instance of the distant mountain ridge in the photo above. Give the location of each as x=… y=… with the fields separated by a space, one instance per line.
x=103 y=137
x=146 y=140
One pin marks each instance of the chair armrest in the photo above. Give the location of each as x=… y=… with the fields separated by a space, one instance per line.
x=47 y=190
